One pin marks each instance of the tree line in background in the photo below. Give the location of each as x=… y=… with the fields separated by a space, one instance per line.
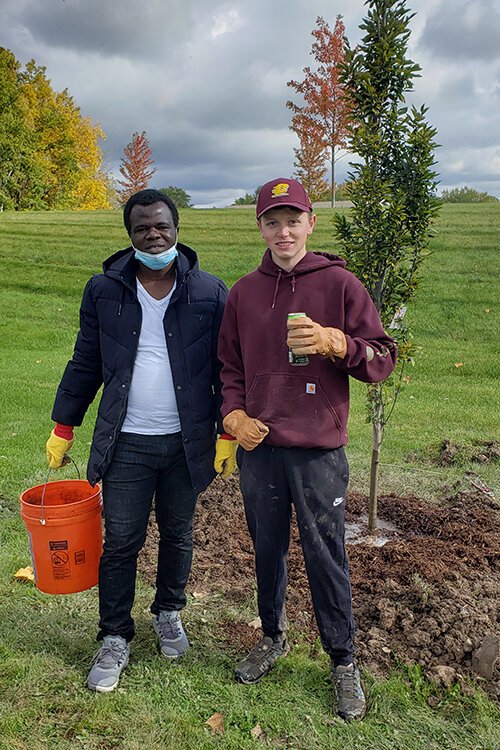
x=49 y=152
x=51 y=155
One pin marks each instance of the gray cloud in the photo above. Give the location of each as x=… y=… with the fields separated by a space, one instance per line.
x=207 y=80
x=469 y=29
x=128 y=29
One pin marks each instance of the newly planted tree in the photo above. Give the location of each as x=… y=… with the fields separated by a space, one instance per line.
x=136 y=166
x=393 y=191
x=325 y=108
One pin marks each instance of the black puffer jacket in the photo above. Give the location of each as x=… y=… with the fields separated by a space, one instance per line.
x=105 y=350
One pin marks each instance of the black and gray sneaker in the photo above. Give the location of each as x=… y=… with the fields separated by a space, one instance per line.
x=259 y=661
x=111 y=658
x=172 y=640
x=350 y=702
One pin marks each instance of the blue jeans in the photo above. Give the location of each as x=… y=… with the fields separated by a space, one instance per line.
x=144 y=467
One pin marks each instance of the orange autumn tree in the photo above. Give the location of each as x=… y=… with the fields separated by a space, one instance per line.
x=135 y=168
x=310 y=158
x=324 y=105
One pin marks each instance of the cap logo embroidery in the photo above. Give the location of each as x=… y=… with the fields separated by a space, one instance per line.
x=280 y=189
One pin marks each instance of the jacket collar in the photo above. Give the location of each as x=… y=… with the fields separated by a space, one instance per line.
x=122 y=265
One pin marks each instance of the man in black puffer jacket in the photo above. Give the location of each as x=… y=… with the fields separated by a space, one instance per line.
x=148 y=334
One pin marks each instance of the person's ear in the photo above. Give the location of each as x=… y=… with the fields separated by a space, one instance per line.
x=312 y=223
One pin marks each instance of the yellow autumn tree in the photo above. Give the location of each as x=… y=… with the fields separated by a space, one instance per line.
x=66 y=150
x=47 y=116
x=93 y=185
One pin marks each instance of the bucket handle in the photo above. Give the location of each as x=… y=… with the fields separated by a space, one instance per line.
x=66 y=460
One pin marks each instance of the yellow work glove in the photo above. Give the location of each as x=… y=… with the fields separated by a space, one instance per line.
x=247 y=431
x=56 y=449
x=307 y=337
x=225 y=456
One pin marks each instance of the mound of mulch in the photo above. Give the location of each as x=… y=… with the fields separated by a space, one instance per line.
x=426 y=593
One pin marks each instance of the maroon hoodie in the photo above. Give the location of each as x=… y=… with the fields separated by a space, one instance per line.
x=302 y=406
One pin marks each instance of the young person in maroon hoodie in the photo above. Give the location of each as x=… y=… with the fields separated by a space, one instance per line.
x=285 y=388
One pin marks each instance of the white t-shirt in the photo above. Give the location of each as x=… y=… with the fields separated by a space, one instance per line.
x=152 y=408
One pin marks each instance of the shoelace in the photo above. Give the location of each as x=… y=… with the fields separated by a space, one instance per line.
x=107 y=656
x=263 y=648
x=169 y=628
x=347 y=683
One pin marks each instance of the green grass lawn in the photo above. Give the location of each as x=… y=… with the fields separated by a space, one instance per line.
x=46 y=643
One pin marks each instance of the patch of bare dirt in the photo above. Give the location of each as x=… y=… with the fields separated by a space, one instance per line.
x=426 y=589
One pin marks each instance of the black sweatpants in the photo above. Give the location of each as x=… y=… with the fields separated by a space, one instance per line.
x=315 y=481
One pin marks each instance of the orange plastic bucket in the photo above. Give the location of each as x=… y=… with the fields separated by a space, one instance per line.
x=65 y=534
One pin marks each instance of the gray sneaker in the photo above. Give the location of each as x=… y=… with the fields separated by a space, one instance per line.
x=350 y=703
x=259 y=661
x=172 y=640
x=111 y=658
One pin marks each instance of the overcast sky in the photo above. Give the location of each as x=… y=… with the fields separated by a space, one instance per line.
x=206 y=80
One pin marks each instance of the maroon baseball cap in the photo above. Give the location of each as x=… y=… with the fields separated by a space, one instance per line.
x=282 y=191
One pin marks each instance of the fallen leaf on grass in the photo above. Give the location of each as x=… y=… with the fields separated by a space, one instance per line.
x=256 y=731
x=200 y=594
x=459 y=364
x=216 y=723
x=255 y=624
x=25 y=574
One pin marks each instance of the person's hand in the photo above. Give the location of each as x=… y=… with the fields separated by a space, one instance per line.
x=248 y=432
x=307 y=337
x=56 y=449
x=225 y=456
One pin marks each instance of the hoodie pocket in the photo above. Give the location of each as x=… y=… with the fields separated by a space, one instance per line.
x=291 y=402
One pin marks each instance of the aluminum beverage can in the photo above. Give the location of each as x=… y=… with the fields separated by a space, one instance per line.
x=299 y=360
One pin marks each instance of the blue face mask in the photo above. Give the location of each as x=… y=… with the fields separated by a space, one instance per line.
x=157 y=262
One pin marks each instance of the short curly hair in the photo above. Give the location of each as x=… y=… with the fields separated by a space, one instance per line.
x=146 y=198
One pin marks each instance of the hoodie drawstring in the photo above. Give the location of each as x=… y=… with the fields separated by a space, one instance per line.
x=275 y=296
x=278 y=279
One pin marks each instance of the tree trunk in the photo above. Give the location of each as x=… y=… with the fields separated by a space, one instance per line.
x=333 y=177
x=377 y=433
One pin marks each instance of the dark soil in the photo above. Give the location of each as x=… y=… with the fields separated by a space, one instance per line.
x=425 y=587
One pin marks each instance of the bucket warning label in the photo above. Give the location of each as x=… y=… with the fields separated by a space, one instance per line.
x=80 y=557
x=58 y=545
x=60 y=564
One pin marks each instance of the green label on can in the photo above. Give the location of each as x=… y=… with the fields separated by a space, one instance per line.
x=299 y=360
